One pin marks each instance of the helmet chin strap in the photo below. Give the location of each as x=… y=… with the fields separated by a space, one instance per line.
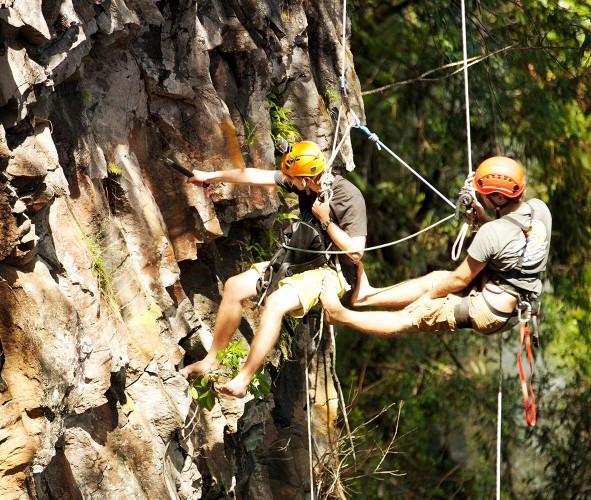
x=304 y=182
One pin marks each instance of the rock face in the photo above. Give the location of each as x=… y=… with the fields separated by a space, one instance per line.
x=112 y=267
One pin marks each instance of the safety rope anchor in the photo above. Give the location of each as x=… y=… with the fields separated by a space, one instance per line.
x=372 y=136
x=343 y=84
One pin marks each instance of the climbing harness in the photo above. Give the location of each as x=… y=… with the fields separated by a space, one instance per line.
x=528 y=310
x=290 y=259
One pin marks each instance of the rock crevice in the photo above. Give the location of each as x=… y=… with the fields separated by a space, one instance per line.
x=112 y=266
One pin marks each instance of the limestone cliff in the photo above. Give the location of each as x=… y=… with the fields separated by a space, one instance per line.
x=112 y=267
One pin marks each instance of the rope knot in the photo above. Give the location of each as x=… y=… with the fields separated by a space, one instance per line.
x=374 y=137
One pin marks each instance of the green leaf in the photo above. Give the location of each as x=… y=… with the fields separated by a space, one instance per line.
x=207 y=399
x=260 y=383
x=193 y=391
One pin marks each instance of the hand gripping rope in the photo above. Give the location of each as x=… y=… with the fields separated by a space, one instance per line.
x=465 y=199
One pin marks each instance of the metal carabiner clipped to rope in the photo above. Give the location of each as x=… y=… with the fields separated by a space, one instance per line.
x=524 y=311
x=325 y=194
x=465 y=199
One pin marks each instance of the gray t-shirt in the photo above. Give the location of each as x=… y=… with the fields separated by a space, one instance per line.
x=347 y=209
x=501 y=243
x=347 y=205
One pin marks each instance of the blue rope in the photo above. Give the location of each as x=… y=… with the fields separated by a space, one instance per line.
x=372 y=136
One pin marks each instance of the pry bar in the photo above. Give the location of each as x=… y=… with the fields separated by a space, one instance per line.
x=179 y=168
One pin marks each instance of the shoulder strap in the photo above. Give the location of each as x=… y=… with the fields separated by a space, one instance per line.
x=526 y=230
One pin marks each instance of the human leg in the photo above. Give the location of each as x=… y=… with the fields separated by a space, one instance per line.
x=236 y=289
x=277 y=304
x=398 y=295
x=379 y=323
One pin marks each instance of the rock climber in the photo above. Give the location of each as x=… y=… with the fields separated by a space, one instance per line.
x=342 y=217
x=503 y=266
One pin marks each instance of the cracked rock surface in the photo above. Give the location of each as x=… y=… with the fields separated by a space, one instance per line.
x=112 y=266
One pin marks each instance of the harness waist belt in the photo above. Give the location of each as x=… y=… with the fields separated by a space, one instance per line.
x=496 y=312
x=462 y=313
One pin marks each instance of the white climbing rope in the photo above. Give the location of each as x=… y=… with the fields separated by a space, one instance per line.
x=499 y=415
x=381 y=145
x=337 y=148
x=459 y=243
x=466 y=90
x=461 y=237
x=309 y=418
x=340 y=252
x=456 y=249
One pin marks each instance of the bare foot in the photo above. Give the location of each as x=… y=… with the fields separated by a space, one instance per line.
x=331 y=304
x=202 y=367
x=235 y=387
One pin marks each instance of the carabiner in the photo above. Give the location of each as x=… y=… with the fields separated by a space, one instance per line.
x=524 y=306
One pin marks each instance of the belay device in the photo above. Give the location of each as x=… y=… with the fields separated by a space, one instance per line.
x=287 y=262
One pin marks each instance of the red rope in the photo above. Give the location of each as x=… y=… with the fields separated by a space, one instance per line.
x=530 y=408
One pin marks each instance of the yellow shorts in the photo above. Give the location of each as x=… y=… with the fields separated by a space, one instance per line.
x=308 y=285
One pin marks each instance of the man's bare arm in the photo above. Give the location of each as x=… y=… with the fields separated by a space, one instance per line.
x=458 y=279
x=247 y=176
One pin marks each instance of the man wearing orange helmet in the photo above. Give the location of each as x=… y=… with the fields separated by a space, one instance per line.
x=342 y=217
x=504 y=263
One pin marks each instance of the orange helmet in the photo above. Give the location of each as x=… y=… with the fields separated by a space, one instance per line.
x=304 y=160
x=500 y=174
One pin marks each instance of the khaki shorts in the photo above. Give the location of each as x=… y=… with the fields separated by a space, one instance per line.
x=439 y=314
x=308 y=285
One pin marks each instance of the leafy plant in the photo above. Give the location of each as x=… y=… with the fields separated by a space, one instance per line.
x=248 y=137
x=264 y=247
x=265 y=243
x=114 y=168
x=203 y=388
x=98 y=265
x=332 y=95
x=285 y=339
x=280 y=123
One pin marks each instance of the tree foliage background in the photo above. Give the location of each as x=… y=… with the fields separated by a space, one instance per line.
x=529 y=80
